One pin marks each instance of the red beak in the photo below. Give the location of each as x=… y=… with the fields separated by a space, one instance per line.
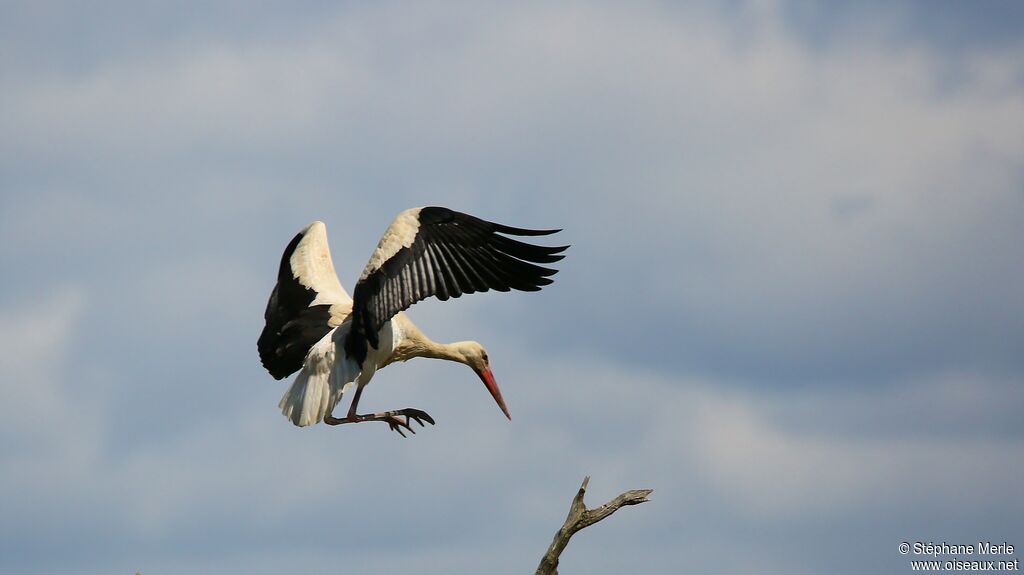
x=492 y=386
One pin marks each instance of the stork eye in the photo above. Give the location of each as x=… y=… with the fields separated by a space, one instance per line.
x=485 y=357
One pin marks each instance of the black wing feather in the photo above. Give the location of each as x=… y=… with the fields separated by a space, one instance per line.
x=453 y=254
x=292 y=325
x=441 y=278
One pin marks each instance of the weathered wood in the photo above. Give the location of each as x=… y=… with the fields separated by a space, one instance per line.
x=580 y=517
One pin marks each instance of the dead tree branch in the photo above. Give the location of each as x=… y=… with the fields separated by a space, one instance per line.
x=580 y=517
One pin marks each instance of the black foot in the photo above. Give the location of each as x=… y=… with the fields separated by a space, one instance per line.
x=402 y=418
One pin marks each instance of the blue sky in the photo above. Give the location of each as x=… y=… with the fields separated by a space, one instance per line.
x=793 y=306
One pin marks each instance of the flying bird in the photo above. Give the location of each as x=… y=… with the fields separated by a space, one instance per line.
x=336 y=342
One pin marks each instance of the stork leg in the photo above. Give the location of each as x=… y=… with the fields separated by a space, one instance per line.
x=396 y=419
x=393 y=418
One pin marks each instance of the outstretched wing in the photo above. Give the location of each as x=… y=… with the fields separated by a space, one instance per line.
x=307 y=302
x=435 y=251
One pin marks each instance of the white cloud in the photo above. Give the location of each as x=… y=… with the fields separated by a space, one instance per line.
x=775 y=456
x=50 y=421
x=768 y=471
x=36 y=337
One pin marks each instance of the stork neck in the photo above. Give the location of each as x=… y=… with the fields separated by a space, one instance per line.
x=417 y=344
x=448 y=351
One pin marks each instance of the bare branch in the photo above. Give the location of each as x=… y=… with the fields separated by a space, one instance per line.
x=580 y=517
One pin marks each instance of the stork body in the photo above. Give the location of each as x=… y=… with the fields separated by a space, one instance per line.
x=336 y=342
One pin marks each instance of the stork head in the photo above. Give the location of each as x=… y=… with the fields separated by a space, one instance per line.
x=475 y=356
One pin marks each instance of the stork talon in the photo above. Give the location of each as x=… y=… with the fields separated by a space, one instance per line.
x=410 y=414
x=396 y=424
x=417 y=415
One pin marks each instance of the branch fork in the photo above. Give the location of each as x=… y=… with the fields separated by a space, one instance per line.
x=580 y=517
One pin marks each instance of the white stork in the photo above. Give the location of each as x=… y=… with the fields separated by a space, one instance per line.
x=336 y=341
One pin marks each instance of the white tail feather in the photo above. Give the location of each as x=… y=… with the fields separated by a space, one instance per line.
x=320 y=384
